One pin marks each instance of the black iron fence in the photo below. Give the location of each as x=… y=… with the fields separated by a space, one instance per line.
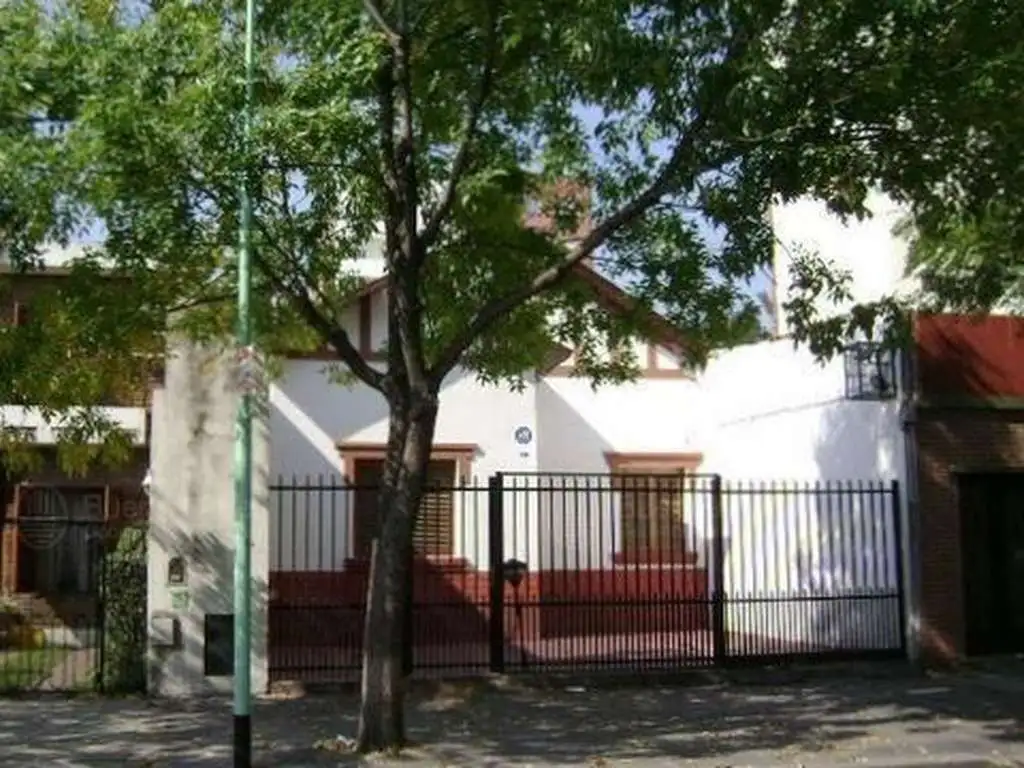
x=73 y=590
x=574 y=571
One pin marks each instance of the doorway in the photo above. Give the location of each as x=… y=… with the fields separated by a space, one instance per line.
x=992 y=541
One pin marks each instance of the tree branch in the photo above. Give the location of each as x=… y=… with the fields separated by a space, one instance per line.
x=200 y=302
x=665 y=182
x=296 y=291
x=378 y=18
x=498 y=308
x=460 y=163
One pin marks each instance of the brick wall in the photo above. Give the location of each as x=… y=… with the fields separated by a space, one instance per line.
x=971 y=383
x=952 y=441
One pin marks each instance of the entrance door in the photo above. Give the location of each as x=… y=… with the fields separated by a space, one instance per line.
x=992 y=540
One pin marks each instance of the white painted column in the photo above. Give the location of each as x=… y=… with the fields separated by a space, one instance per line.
x=192 y=517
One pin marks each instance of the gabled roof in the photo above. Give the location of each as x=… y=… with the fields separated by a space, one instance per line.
x=609 y=295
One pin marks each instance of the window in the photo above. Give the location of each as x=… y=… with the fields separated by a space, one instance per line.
x=652 y=518
x=434 y=534
x=655 y=495
x=870 y=371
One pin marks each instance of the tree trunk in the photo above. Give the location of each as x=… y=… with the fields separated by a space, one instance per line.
x=381 y=715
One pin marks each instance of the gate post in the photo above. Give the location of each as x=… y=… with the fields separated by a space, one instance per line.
x=718 y=637
x=901 y=587
x=496 y=550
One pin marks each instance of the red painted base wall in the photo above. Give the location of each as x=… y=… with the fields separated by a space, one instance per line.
x=451 y=604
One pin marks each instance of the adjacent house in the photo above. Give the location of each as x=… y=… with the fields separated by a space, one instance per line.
x=967 y=427
x=56 y=525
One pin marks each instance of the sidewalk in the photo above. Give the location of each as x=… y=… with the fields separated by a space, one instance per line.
x=968 y=719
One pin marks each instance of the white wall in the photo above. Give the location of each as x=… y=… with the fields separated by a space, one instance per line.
x=774 y=412
x=875 y=257
x=577 y=427
x=801 y=519
x=828 y=527
x=132 y=420
x=311 y=416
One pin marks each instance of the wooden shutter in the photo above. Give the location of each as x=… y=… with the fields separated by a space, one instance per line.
x=434 y=533
x=652 y=517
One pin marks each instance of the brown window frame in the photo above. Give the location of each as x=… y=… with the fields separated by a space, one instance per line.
x=461 y=457
x=652 y=469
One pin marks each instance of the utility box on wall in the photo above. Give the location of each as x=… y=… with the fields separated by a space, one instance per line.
x=219 y=644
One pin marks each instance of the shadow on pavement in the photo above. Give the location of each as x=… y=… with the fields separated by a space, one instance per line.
x=884 y=719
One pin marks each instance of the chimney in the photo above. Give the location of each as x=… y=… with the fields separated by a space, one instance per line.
x=541 y=213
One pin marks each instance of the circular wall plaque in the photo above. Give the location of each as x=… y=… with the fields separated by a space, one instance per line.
x=523 y=435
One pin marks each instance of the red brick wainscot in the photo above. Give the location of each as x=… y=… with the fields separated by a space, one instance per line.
x=451 y=603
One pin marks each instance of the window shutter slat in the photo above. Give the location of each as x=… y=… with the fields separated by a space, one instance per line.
x=652 y=516
x=434 y=532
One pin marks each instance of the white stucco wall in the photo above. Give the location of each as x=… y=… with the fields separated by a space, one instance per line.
x=774 y=412
x=806 y=506
x=577 y=426
x=310 y=416
x=868 y=249
x=807 y=509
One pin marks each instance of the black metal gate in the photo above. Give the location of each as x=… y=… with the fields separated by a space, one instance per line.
x=73 y=590
x=574 y=571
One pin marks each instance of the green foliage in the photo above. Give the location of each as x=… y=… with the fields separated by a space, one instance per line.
x=83 y=345
x=684 y=120
x=420 y=132
x=971 y=263
x=953 y=160
x=123 y=665
x=817 y=281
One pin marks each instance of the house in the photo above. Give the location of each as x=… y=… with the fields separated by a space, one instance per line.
x=622 y=507
x=55 y=526
x=967 y=427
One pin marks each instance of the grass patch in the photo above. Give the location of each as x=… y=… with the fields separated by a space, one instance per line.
x=27 y=669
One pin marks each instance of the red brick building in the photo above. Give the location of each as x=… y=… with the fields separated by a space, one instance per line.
x=969 y=435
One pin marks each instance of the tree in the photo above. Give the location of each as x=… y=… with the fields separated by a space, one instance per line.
x=425 y=131
x=957 y=173
x=68 y=352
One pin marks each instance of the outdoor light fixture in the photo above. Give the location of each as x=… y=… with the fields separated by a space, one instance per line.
x=147 y=482
x=514 y=573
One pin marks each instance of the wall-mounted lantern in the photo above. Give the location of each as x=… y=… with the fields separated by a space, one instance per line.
x=514 y=572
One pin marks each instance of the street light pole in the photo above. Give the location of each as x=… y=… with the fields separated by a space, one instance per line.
x=243 y=435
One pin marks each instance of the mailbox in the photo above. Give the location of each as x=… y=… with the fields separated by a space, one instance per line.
x=176 y=572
